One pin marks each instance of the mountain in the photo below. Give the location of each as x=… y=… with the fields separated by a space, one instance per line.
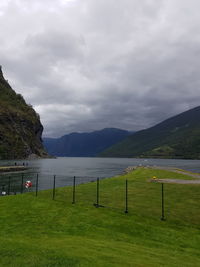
x=84 y=144
x=20 y=126
x=176 y=137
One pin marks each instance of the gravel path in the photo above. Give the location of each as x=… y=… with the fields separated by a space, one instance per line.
x=177 y=181
x=173 y=181
x=194 y=175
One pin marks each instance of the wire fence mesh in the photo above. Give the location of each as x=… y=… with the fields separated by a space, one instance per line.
x=164 y=201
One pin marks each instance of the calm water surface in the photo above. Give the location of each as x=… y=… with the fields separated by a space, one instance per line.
x=85 y=169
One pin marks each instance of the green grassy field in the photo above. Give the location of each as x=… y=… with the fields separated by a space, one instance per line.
x=37 y=231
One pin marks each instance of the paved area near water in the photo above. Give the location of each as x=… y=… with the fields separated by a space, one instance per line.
x=194 y=175
x=178 y=181
x=172 y=181
x=12 y=168
x=175 y=181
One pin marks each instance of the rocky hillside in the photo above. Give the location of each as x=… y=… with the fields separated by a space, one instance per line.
x=176 y=137
x=84 y=144
x=20 y=126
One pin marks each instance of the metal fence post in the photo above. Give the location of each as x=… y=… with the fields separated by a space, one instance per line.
x=74 y=188
x=9 y=185
x=22 y=183
x=126 y=197
x=97 y=204
x=163 y=208
x=54 y=186
x=36 y=188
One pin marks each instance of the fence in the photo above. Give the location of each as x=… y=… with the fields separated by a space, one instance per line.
x=164 y=201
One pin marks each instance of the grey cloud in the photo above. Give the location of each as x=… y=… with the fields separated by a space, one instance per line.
x=86 y=65
x=55 y=46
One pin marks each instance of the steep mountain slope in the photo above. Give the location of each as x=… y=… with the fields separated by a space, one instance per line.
x=176 y=137
x=84 y=144
x=20 y=126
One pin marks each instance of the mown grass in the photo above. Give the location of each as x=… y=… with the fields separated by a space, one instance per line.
x=37 y=231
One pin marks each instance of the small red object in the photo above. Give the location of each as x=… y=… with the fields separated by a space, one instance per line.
x=28 y=184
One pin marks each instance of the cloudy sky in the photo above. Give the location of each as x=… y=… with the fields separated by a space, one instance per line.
x=89 y=64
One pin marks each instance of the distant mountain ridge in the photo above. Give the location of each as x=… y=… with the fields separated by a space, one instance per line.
x=176 y=137
x=84 y=144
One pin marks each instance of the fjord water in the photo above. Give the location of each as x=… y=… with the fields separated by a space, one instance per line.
x=85 y=169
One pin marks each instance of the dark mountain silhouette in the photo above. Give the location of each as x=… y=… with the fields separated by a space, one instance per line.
x=84 y=144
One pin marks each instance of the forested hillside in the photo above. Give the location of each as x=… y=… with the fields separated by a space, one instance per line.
x=176 y=137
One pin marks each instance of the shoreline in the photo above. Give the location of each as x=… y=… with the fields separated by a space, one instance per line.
x=12 y=168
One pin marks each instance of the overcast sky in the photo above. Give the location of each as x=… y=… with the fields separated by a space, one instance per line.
x=89 y=64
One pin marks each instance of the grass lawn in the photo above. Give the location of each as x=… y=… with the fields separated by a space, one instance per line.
x=37 y=231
